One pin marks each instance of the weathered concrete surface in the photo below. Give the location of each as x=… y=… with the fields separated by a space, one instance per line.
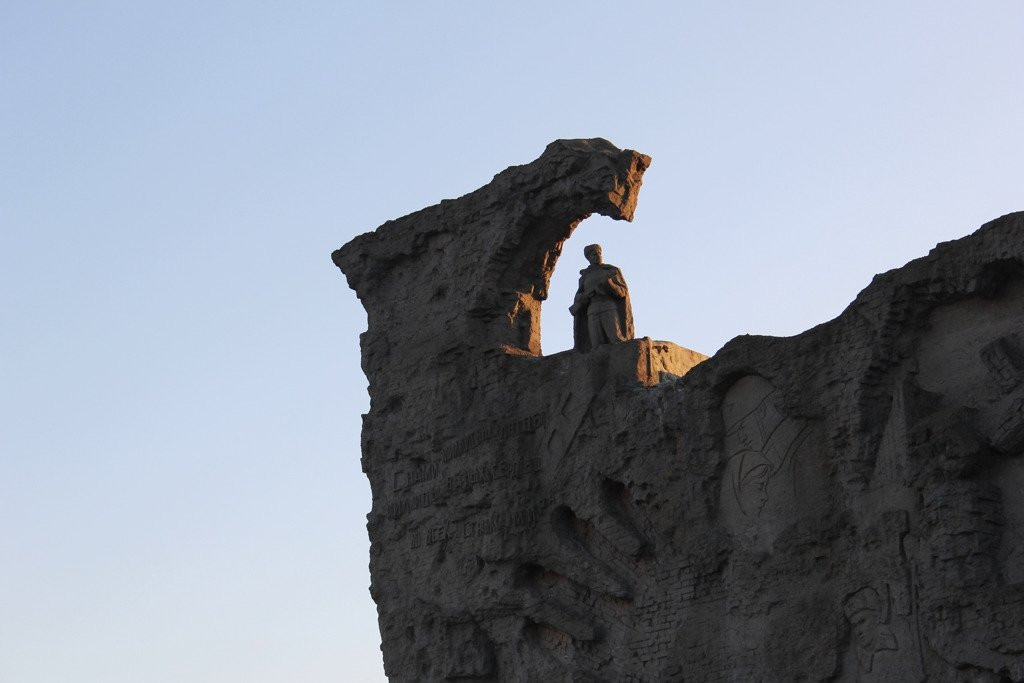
x=844 y=504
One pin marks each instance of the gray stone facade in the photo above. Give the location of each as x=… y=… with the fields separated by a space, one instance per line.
x=844 y=504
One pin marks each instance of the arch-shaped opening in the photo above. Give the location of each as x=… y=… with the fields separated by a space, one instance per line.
x=577 y=178
x=620 y=248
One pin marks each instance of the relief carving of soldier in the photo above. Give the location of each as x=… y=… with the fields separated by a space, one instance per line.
x=868 y=614
x=601 y=310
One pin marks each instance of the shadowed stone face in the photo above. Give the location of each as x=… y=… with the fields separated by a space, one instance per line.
x=843 y=504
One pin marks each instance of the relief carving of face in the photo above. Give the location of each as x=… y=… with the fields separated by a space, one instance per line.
x=867 y=616
x=756 y=440
x=753 y=487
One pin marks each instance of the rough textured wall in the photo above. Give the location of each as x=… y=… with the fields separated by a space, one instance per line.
x=844 y=504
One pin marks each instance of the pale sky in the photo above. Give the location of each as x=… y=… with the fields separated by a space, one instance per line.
x=180 y=491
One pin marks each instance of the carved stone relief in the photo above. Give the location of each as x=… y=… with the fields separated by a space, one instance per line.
x=770 y=472
x=845 y=504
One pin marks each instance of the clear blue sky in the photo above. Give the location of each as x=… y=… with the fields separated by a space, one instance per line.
x=180 y=493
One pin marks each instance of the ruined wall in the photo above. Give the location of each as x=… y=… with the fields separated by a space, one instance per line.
x=843 y=504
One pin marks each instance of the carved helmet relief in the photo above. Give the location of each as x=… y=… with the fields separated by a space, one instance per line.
x=761 y=446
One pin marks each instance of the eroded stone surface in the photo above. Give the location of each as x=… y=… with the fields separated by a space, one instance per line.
x=843 y=504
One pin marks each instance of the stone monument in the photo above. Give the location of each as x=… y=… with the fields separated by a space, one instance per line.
x=845 y=504
x=602 y=313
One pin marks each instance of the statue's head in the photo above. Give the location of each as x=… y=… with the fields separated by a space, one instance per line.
x=592 y=252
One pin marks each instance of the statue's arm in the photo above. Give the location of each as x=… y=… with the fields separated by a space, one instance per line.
x=617 y=285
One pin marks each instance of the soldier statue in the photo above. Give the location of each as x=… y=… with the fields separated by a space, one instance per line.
x=601 y=310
